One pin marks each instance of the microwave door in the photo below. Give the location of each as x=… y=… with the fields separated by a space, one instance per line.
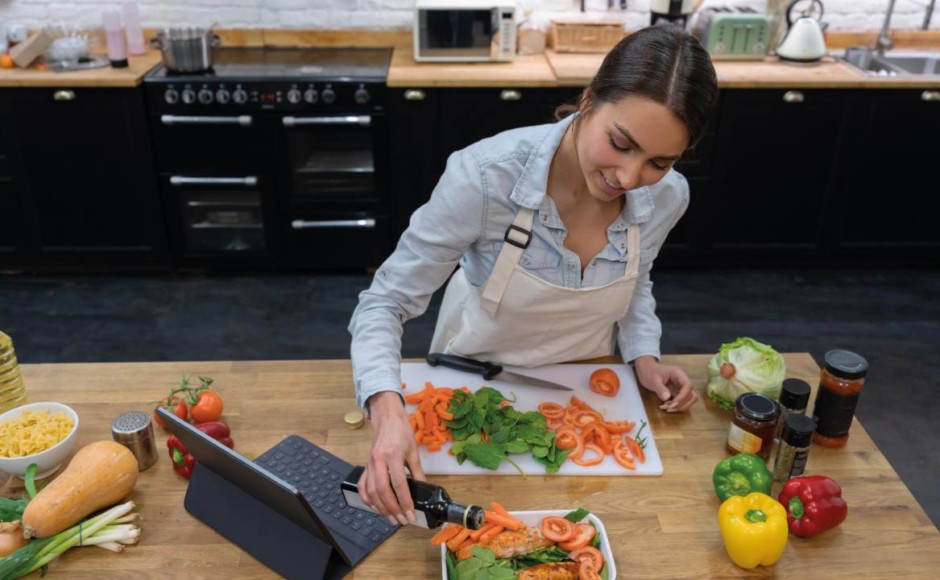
x=456 y=34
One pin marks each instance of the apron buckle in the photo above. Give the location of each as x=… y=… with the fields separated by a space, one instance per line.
x=508 y=237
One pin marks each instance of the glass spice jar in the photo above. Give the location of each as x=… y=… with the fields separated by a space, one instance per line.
x=840 y=383
x=793 y=449
x=753 y=425
x=794 y=397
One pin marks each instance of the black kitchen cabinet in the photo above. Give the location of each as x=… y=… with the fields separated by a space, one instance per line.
x=413 y=116
x=886 y=182
x=10 y=212
x=81 y=166
x=773 y=159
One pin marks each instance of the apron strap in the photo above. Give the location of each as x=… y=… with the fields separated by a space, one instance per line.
x=516 y=240
x=633 y=250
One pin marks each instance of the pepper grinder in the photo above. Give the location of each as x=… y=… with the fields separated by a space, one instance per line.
x=134 y=430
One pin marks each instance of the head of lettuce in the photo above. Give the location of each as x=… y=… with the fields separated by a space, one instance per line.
x=744 y=366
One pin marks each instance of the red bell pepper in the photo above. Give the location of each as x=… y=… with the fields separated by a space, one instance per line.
x=183 y=461
x=814 y=504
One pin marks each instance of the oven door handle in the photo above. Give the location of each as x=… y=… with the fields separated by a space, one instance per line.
x=312 y=224
x=243 y=120
x=249 y=180
x=361 y=120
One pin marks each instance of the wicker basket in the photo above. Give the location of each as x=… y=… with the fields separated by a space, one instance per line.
x=586 y=35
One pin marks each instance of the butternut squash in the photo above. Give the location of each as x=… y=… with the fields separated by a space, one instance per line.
x=99 y=475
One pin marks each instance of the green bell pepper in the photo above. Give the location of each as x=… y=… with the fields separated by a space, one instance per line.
x=740 y=475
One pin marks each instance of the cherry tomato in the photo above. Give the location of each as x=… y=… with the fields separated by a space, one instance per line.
x=207 y=408
x=587 y=571
x=175 y=405
x=585 y=535
x=605 y=382
x=590 y=554
x=559 y=529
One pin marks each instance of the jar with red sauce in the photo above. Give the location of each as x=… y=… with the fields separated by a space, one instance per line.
x=840 y=383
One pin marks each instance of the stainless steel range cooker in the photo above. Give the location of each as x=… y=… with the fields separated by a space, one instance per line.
x=275 y=158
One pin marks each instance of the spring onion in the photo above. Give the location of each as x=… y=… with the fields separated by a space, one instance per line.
x=112 y=530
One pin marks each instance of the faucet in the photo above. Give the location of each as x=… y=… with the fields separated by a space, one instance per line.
x=883 y=42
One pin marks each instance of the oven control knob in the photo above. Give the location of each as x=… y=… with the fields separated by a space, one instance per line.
x=240 y=96
x=293 y=96
x=205 y=96
x=311 y=96
x=171 y=96
x=362 y=96
x=222 y=96
x=189 y=96
x=328 y=96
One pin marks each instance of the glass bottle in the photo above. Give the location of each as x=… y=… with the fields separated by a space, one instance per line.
x=794 y=397
x=114 y=35
x=840 y=383
x=753 y=425
x=794 y=447
x=12 y=389
x=433 y=505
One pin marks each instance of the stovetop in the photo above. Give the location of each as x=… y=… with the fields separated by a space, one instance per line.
x=313 y=64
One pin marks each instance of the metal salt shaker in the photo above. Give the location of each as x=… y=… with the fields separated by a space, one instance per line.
x=134 y=430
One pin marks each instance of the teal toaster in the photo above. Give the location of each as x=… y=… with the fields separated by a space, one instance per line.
x=727 y=33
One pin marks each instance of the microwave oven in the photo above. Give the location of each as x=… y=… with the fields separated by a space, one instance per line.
x=464 y=30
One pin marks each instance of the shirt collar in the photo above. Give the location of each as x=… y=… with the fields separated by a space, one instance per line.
x=533 y=183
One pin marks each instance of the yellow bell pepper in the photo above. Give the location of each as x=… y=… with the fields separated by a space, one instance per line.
x=754 y=528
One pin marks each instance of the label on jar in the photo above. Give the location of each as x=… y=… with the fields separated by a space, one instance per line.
x=833 y=413
x=743 y=441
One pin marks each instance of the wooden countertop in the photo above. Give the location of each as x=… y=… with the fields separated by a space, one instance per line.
x=98 y=77
x=659 y=526
x=525 y=71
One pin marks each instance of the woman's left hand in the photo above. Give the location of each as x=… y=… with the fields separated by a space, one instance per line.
x=669 y=383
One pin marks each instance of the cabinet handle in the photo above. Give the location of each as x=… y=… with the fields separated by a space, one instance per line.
x=930 y=96
x=414 y=95
x=793 y=97
x=243 y=120
x=313 y=224
x=63 y=95
x=510 y=95
x=361 y=120
x=249 y=181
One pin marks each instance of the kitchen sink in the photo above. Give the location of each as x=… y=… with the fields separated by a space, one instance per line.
x=892 y=63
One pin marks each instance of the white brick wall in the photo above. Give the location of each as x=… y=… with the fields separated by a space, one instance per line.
x=396 y=14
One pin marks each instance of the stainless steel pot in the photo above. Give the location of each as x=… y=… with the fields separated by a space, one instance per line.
x=186 y=49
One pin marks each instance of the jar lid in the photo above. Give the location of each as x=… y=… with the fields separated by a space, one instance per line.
x=795 y=394
x=798 y=430
x=354 y=419
x=846 y=364
x=757 y=406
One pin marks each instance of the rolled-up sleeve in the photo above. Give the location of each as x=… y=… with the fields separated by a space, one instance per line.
x=439 y=233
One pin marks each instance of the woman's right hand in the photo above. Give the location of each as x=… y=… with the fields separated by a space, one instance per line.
x=384 y=484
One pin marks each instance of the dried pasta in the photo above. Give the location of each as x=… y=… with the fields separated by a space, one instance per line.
x=32 y=432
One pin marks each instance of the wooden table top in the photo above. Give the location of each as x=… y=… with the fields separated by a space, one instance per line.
x=658 y=526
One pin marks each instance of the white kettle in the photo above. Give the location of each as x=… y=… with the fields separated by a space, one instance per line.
x=804 y=41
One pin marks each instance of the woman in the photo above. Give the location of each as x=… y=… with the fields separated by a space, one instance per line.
x=554 y=228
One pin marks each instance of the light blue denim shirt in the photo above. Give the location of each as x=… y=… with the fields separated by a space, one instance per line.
x=476 y=199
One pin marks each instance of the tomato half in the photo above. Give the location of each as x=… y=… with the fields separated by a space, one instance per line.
x=207 y=408
x=175 y=405
x=605 y=382
x=585 y=535
x=559 y=529
x=590 y=554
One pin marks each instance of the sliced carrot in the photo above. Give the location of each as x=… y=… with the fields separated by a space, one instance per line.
x=445 y=533
x=466 y=544
x=498 y=508
x=475 y=534
x=453 y=544
x=491 y=533
x=508 y=522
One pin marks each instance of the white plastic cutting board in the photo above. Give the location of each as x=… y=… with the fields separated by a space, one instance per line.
x=625 y=405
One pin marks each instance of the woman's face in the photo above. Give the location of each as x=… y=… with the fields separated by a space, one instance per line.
x=628 y=144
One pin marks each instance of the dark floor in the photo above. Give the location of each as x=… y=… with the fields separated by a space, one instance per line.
x=890 y=317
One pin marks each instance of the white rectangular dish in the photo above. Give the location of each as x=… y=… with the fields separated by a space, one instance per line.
x=534 y=518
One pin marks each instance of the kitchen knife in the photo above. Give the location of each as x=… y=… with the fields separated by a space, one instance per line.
x=490 y=371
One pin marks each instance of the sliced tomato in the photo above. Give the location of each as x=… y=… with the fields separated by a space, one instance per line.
x=623 y=455
x=618 y=427
x=559 y=529
x=568 y=438
x=597 y=434
x=598 y=455
x=585 y=535
x=605 y=382
x=635 y=448
x=551 y=410
x=586 y=571
x=590 y=554
x=585 y=417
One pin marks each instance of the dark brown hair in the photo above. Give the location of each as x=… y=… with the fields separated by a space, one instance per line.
x=663 y=63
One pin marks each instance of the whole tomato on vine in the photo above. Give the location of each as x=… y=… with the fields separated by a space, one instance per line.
x=174 y=404
x=207 y=406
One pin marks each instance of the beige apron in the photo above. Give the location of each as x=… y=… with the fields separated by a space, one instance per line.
x=520 y=319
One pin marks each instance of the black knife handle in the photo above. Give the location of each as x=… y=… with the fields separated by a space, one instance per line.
x=487 y=369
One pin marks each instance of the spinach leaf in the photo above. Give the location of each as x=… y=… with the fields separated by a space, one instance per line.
x=578 y=515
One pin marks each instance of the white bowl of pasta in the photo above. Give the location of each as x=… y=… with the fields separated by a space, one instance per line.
x=40 y=433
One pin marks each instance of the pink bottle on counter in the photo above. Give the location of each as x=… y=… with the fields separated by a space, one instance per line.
x=135 y=38
x=114 y=34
